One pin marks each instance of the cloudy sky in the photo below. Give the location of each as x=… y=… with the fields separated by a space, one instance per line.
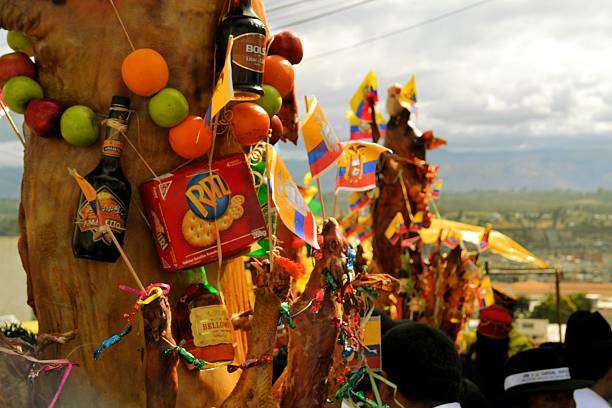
x=492 y=75
x=504 y=74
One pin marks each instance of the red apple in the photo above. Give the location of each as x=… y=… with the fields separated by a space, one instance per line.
x=43 y=116
x=277 y=129
x=288 y=45
x=16 y=64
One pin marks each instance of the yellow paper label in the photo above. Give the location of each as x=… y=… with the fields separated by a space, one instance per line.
x=210 y=326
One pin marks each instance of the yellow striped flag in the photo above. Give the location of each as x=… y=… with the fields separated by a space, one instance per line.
x=484 y=293
x=396 y=227
x=408 y=96
x=321 y=142
x=290 y=204
x=357 y=166
x=366 y=94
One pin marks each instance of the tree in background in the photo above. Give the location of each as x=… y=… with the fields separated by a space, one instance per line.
x=569 y=304
x=521 y=310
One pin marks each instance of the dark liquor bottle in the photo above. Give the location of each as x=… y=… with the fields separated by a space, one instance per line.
x=249 y=50
x=113 y=190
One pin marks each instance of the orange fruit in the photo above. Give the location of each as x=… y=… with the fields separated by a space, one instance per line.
x=190 y=138
x=279 y=73
x=145 y=72
x=250 y=123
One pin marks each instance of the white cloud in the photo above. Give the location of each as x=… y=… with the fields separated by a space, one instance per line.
x=504 y=73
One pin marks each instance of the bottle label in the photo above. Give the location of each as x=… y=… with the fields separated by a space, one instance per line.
x=112 y=147
x=113 y=211
x=249 y=51
x=210 y=326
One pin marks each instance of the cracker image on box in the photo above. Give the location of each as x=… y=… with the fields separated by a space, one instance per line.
x=198 y=205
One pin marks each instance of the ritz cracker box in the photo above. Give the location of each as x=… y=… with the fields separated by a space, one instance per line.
x=182 y=208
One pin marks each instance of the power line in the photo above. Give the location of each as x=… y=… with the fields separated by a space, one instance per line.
x=401 y=30
x=302 y=10
x=329 y=13
x=284 y=6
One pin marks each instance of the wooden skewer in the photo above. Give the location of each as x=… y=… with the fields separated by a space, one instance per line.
x=127 y=35
x=110 y=233
x=334 y=206
x=321 y=197
x=271 y=242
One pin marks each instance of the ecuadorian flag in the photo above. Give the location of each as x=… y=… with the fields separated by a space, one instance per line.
x=321 y=143
x=350 y=224
x=416 y=223
x=484 y=239
x=396 y=228
x=364 y=229
x=366 y=94
x=288 y=200
x=408 y=96
x=453 y=239
x=484 y=293
x=361 y=129
x=357 y=166
x=436 y=189
x=358 y=200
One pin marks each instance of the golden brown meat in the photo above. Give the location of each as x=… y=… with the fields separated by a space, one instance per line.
x=160 y=368
x=254 y=388
x=289 y=116
x=312 y=342
x=405 y=164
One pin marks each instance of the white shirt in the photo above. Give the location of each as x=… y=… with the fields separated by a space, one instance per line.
x=587 y=398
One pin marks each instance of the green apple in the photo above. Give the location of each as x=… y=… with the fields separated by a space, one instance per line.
x=271 y=100
x=20 y=42
x=79 y=126
x=20 y=90
x=168 y=108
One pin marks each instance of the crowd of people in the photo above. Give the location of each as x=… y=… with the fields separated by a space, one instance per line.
x=499 y=368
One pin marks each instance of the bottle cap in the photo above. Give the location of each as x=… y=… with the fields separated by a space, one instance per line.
x=121 y=101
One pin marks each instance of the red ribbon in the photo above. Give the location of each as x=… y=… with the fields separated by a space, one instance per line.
x=250 y=363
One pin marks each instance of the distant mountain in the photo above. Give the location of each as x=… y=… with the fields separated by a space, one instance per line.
x=580 y=169
x=586 y=169
x=10 y=181
x=506 y=170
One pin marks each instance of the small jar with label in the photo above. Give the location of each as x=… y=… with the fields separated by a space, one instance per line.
x=204 y=326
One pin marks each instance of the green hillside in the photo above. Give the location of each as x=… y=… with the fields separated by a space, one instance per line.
x=8 y=216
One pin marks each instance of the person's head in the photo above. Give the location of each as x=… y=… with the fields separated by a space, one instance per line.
x=539 y=378
x=588 y=345
x=495 y=322
x=471 y=396
x=423 y=363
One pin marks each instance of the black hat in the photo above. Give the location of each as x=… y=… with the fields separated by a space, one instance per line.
x=422 y=361
x=588 y=343
x=539 y=370
x=471 y=396
x=586 y=328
